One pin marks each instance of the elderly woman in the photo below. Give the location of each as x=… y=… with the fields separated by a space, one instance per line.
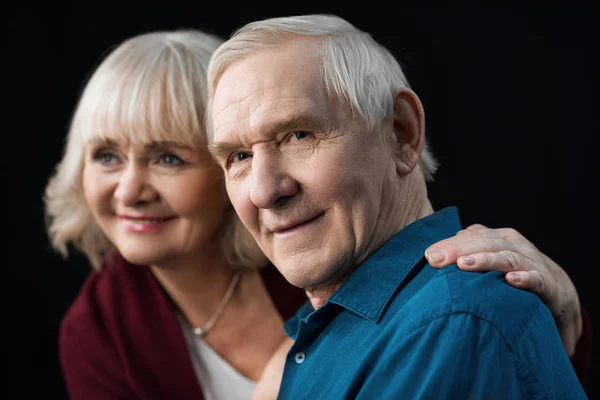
x=181 y=303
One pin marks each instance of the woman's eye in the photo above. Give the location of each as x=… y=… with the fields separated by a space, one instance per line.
x=299 y=135
x=170 y=159
x=105 y=158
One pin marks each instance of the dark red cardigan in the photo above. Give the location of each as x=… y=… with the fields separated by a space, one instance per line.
x=121 y=339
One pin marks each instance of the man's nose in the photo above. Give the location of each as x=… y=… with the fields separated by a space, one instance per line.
x=271 y=183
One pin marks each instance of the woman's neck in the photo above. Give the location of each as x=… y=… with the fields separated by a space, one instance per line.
x=253 y=328
x=196 y=284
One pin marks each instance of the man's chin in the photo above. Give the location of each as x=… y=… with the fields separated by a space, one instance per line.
x=300 y=276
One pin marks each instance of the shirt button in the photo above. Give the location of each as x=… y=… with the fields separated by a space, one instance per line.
x=300 y=357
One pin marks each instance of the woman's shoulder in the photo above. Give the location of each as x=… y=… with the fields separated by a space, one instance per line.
x=105 y=291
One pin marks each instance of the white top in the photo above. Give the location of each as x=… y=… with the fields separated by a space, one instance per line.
x=218 y=379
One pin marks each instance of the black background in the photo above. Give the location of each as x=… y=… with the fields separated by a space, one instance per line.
x=510 y=97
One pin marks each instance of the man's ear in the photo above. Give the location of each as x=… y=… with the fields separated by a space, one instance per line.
x=409 y=130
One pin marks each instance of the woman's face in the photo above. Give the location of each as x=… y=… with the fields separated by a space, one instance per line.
x=157 y=202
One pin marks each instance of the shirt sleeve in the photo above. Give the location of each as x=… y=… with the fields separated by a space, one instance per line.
x=461 y=356
x=90 y=367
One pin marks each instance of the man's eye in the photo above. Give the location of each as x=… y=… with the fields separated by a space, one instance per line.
x=299 y=135
x=241 y=156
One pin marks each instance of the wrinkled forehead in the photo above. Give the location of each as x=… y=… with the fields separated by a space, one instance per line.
x=268 y=86
x=265 y=108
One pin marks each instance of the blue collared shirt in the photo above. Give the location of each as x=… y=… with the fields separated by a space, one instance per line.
x=400 y=329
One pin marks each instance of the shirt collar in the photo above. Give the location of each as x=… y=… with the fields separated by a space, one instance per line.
x=370 y=288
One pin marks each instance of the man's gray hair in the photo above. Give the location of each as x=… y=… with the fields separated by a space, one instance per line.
x=355 y=69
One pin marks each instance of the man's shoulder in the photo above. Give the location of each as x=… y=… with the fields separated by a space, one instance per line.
x=486 y=296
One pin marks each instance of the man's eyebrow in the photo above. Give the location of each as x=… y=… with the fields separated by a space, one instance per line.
x=221 y=150
x=298 y=121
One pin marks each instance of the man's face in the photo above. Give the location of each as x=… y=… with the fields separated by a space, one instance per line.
x=306 y=178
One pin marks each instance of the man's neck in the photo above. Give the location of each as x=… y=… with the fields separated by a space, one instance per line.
x=318 y=296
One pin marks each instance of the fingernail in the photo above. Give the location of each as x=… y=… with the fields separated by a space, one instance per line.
x=436 y=256
x=514 y=277
x=469 y=260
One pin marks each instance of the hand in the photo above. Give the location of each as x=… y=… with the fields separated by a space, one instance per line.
x=267 y=387
x=479 y=248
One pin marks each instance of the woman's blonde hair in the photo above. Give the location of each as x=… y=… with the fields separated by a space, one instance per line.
x=151 y=87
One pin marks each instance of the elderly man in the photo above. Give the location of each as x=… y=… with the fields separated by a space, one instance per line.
x=322 y=143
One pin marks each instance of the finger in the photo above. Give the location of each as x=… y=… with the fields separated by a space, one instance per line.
x=534 y=281
x=508 y=233
x=476 y=227
x=448 y=251
x=476 y=230
x=503 y=261
x=437 y=254
x=470 y=233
